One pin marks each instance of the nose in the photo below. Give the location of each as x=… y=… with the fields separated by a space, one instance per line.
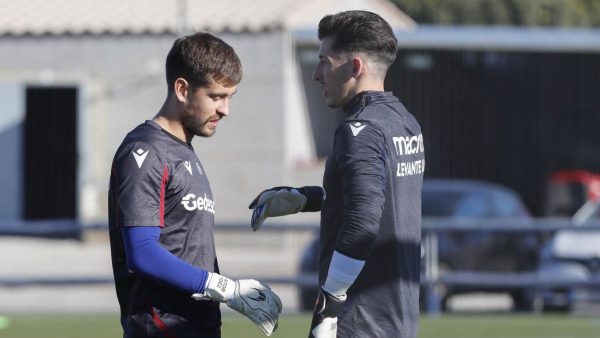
x=223 y=108
x=318 y=72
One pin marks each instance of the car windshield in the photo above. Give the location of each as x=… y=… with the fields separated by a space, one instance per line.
x=470 y=203
x=440 y=203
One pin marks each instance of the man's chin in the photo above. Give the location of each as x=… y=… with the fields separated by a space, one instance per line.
x=332 y=104
x=203 y=132
x=207 y=133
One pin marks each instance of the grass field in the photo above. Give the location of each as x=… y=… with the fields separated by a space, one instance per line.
x=293 y=326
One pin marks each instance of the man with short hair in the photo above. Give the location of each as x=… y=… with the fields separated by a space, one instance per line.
x=161 y=208
x=369 y=250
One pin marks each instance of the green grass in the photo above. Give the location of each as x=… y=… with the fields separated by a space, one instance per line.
x=509 y=326
x=292 y=326
x=57 y=326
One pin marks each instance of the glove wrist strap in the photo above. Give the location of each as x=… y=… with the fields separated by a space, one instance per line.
x=328 y=305
x=217 y=287
x=315 y=196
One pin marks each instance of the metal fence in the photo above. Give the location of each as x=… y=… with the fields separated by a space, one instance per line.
x=432 y=278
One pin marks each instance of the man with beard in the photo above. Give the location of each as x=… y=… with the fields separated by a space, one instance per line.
x=161 y=208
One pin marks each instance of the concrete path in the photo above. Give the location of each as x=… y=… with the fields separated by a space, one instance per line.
x=271 y=254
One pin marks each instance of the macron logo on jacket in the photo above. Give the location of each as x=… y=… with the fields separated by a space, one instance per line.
x=356 y=127
x=140 y=156
x=188 y=166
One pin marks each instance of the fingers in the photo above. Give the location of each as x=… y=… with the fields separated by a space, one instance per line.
x=260 y=207
x=263 y=197
x=256 y=199
x=258 y=217
x=273 y=296
x=267 y=323
x=278 y=302
x=279 y=201
x=259 y=303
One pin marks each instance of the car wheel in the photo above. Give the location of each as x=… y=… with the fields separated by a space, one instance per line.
x=523 y=301
x=557 y=308
x=443 y=292
x=564 y=303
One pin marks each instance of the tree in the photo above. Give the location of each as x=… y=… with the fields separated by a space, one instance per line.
x=575 y=13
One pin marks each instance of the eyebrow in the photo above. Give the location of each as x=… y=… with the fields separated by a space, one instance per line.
x=221 y=94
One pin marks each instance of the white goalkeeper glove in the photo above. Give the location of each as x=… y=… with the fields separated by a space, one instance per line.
x=324 y=321
x=281 y=201
x=249 y=297
x=342 y=273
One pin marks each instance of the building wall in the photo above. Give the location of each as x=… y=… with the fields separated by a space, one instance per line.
x=121 y=84
x=11 y=121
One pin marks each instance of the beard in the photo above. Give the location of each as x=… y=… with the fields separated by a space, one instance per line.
x=332 y=99
x=194 y=125
x=331 y=104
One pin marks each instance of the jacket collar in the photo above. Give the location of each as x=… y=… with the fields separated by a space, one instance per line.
x=366 y=98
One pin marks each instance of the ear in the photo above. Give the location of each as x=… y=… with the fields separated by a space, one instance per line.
x=358 y=67
x=182 y=88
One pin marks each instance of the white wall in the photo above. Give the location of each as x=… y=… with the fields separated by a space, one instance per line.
x=250 y=151
x=121 y=82
x=11 y=121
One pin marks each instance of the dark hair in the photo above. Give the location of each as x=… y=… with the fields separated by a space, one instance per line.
x=200 y=58
x=360 y=31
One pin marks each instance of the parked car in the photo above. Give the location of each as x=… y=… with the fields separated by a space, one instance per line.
x=465 y=251
x=572 y=257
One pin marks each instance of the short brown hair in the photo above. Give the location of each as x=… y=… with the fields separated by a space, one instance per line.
x=200 y=58
x=360 y=31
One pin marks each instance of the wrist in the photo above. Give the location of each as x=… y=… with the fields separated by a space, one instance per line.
x=328 y=305
x=342 y=273
x=219 y=288
x=315 y=196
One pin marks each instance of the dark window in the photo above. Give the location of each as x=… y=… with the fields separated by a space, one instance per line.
x=50 y=153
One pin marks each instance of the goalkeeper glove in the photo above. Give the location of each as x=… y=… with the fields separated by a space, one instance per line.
x=281 y=201
x=324 y=320
x=247 y=296
x=342 y=273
